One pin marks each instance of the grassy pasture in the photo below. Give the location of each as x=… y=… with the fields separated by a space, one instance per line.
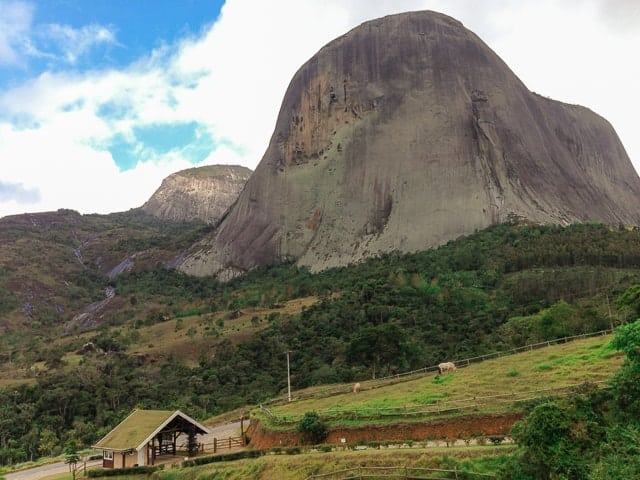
x=283 y=466
x=486 y=387
x=297 y=467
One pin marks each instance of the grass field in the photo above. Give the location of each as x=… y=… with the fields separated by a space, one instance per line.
x=298 y=467
x=490 y=386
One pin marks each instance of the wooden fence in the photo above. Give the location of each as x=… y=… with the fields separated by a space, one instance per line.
x=407 y=473
x=219 y=444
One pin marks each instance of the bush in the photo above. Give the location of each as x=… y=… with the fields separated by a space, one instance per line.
x=116 y=472
x=223 y=458
x=312 y=428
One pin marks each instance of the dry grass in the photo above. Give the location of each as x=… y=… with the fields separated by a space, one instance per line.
x=10 y=381
x=187 y=337
x=297 y=467
x=195 y=335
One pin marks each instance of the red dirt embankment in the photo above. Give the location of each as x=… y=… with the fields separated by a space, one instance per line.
x=450 y=429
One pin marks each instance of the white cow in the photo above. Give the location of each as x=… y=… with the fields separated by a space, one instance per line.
x=446 y=367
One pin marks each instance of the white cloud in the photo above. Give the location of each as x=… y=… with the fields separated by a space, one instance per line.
x=231 y=81
x=15 y=23
x=75 y=42
x=620 y=15
x=17 y=193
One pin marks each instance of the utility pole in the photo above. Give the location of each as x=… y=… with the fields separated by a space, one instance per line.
x=288 y=375
x=609 y=307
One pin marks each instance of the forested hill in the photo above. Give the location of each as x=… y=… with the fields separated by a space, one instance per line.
x=501 y=287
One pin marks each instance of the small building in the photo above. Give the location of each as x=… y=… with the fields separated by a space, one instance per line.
x=145 y=435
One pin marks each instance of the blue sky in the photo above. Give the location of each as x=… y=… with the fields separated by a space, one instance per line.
x=102 y=99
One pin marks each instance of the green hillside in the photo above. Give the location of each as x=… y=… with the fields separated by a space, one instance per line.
x=172 y=341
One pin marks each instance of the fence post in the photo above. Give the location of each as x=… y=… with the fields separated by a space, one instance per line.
x=215 y=445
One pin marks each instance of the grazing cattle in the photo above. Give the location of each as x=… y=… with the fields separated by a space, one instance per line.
x=356 y=388
x=446 y=367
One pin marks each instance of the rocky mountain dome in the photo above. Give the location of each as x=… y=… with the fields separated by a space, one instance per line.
x=404 y=133
x=201 y=193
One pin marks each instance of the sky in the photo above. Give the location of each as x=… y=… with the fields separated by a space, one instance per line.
x=102 y=99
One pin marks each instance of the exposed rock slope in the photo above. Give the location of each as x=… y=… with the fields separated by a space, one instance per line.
x=202 y=193
x=404 y=133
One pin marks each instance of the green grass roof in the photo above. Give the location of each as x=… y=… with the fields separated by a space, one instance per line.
x=134 y=429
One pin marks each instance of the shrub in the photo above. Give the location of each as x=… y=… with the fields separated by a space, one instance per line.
x=116 y=472
x=312 y=428
x=223 y=458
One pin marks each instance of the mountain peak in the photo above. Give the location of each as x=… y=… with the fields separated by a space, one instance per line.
x=407 y=132
x=199 y=193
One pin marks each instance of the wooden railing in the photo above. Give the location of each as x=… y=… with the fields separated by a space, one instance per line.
x=165 y=449
x=222 y=444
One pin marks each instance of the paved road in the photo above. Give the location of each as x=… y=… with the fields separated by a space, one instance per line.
x=228 y=430
x=46 y=470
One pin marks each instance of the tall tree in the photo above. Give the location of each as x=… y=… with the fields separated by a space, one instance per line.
x=72 y=457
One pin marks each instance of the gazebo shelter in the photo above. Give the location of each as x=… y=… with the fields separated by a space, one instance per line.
x=145 y=435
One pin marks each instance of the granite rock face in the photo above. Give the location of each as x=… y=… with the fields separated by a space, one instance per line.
x=404 y=133
x=202 y=193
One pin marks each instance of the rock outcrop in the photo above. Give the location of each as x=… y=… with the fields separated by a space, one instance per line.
x=407 y=132
x=202 y=193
